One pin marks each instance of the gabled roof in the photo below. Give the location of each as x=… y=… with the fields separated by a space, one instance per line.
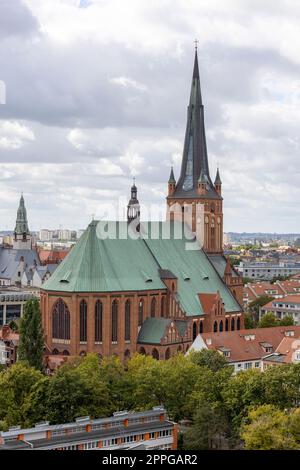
x=153 y=330
x=110 y=265
x=248 y=344
x=10 y=260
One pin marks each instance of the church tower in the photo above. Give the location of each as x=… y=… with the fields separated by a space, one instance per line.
x=22 y=237
x=133 y=208
x=195 y=198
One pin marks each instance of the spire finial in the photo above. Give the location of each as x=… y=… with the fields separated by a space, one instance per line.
x=133 y=181
x=196 y=44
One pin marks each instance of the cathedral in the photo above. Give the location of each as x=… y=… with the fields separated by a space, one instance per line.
x=153 y=292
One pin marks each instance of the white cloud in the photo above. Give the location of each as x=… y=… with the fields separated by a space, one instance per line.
x=14 y=135
x=128 y=82
x=97 y=93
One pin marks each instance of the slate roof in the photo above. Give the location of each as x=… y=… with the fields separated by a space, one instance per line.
x=219 y=262
x=10 y=259
x=194 y=159
x=110 y=265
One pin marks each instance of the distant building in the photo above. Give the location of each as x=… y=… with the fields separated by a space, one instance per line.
x=12 y=304
x=288 y=352
x=21 y=257
x=282 y=307
x=267 y=271
x=245 y=349
x=45 y=235
x=9 y=342
x=147 y=430
x=65 y=234
x=19 y=263
x=279 y=289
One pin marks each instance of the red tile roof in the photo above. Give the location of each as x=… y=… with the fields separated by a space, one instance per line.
x=243 y=349
x=286 y=299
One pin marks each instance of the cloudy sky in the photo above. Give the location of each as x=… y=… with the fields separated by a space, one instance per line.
x=97 y=90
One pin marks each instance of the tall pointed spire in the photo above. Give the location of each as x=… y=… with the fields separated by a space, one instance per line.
x=172 y=177
x=218 y=178
x=21 y=221
x=194 y=159
x=22 y=238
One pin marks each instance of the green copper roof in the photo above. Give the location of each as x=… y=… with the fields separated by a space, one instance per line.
x=153 y=329
x=21 y=222
x=97 y=265
x=195 y=273
x=108 y=265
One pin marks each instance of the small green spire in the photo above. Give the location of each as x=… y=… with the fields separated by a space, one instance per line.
x=21 y=222
x=218 y=179
x=172 y=178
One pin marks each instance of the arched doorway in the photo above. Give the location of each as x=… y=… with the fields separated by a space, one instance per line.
x=142 y=351
x=167 y=353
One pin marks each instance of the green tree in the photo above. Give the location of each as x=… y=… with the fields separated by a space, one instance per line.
x=267 y=320
x=287 y=321
x=267 y=428
x=31 y=344
x=262 y=300
x=35 y=407
x=16 y=384
x=208 y=430
x=249 y=321
x=77 y=389
x=282 y=385
x=209 y=358
x=13 y=325
x=243 y=391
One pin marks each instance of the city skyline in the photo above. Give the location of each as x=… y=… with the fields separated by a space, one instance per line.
x=107 y=102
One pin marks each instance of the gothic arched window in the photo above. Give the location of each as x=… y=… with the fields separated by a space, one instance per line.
x=163 y=307
x=60 y=320
x=238 y=323
x=215 y=327
x=194 y=330
x=127 y=320
x=98 y=321
x=226 y=324
x=153 y=307
x=83 y=321
x=221 y=326
x=141 y=312
x=114 y=321
x=232 y=324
